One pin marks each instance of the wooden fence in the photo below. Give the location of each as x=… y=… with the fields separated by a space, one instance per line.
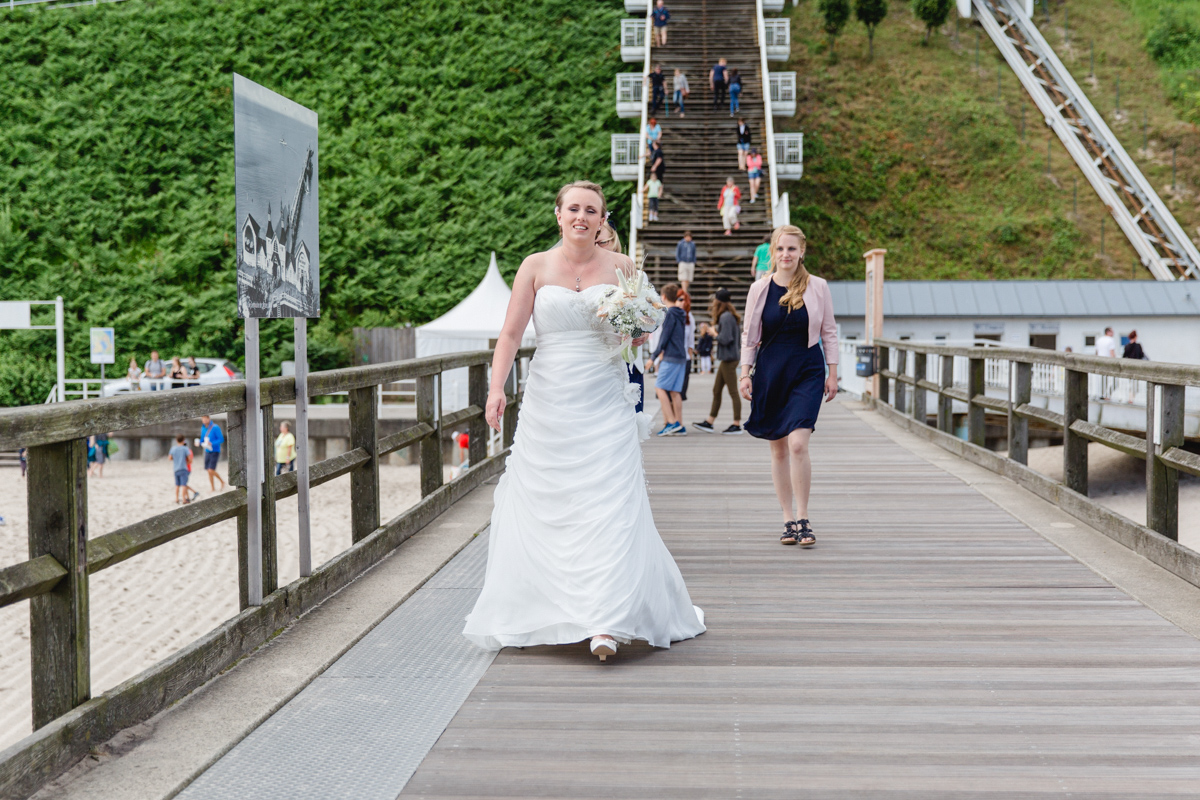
x=66 y=719
x=906 y=382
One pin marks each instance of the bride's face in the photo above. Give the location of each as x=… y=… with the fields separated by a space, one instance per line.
x=579 y=217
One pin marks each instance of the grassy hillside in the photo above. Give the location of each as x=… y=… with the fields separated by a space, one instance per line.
x=445 y=130
x=914 y=152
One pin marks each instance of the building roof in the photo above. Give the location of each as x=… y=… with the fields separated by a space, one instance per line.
x=1022 y=298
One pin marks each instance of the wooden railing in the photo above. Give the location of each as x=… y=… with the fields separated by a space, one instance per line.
x=62 y=558
x=905 y=383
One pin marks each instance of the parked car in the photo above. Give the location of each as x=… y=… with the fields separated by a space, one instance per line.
x=212 y=370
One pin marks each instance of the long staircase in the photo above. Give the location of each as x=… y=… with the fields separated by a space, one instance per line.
x=700 y=150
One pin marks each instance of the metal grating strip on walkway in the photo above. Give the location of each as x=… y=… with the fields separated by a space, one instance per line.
x=361 y=729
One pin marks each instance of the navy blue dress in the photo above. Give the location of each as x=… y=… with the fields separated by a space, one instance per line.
x=789 y=376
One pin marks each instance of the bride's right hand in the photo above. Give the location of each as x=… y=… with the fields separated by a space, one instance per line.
x=495 y=409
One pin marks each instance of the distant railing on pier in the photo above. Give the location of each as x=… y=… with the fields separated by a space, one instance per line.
x=67 y=721
x=910 y=373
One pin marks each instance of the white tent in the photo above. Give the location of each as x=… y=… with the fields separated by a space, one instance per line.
x=473 y=324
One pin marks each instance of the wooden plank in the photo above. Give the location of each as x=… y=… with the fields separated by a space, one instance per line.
x=976 y=432
x=885 y=374
x=29 y=579
x=269 y=517
x=1130 y=445
x=1075 y=407
x=405 y=438
x=452 y=420
x=322 y=472
x=1018 y=425
x=954 y=393
x=1041 y=414
x=58 y=619
x=1182 y=460
x=431 y=446
x=477 y=389
x=918 y=402
x=991 y=403
x=900 y=401
x=364 y=479
x=945 y=399
x=1164 y=430
x=125 y=543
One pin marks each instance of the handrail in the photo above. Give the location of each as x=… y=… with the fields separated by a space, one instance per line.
x=635 y=217
x=766 y=90
x=61 y=556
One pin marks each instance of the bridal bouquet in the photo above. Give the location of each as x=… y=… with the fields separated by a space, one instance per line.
x=633 y=308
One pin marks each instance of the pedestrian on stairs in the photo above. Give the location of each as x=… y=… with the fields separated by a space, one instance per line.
x=760 y=264
x=653 y=191
x=658 y=88
x=735 y=91
x=661 y=17
x=681 y=91
x=685 y=260
x=729 y=338
x=655 y=160
x=718 y=82
x=653 y=131
x=754 y=172
x=743 y=142
x=730 y=205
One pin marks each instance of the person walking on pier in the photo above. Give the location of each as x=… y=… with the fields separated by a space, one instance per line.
x=573 y=552
x=789 y=322
x=680 y=85
x=670 y=356
x=285 y=450
x=735 y=91
x=730 y=205
x=744 y=140
x=658 y=88
x=704 y=348
x=718 y=82
x=729 y=337
x=754 y=172
x=760 y=263
x=661 y=17
x=685 y=260
x=1133 y=349
x=181 y=462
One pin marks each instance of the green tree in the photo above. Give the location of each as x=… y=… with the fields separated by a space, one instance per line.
x=870 y=13
x=933 y=13
x=836 y=14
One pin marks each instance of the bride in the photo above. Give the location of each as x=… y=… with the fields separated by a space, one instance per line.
x=574 y=553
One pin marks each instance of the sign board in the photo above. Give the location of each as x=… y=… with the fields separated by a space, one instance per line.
x=14 y=315
x=275 y=164
x=104 y=350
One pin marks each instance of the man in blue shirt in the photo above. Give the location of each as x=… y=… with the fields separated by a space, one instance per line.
x=685 y=259
x=661 y=15
x=718 y=81
x=211 y=440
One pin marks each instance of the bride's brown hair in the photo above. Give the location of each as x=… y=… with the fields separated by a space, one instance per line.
x=591 y=187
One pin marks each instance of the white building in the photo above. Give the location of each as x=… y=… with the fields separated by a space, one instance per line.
x=1051 y=314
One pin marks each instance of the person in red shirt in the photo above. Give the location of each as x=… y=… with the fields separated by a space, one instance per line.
x=730 y=205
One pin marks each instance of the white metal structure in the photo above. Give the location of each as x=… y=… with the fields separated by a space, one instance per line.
x=780 y=214
x=12 y=4
x=626 y=165
x=773 y=5
x=635 y=202
x=1161 y=244
x=635 y=6
x=633 y=40
x=629 y=94
x=17 y=315
x=789 y=155
x=783 y=94
x=779 y=38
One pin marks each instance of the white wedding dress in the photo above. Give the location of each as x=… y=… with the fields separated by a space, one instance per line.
x=573 y=549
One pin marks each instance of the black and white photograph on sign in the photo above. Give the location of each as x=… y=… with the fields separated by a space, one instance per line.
x=275 y=160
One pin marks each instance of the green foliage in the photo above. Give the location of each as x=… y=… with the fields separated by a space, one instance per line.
x=835 y=13
x=446 y=129
x=1174 y=41
x=870 y=13
x=933 y=13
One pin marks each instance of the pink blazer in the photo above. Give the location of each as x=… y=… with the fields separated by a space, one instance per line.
x=821 y=324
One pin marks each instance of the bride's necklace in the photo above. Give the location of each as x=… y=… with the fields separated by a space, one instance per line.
x=579 y=277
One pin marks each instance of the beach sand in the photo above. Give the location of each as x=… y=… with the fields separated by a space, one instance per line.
x=144 y=609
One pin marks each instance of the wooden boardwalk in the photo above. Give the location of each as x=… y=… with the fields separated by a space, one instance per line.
x=930 y=646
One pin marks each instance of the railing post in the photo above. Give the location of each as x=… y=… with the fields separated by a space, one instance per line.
x=884 y=363
x=431 y=445
x=945 y=419
x=1164 y=430
x=976 y=372
x=58 y=621
x=1020 y=394
x=512 y=409
x=364 y=479
x=901 y=386
x=235 y=437
x=270 y=552
x=918 y=404
x=477 y=428
x=1075 y=456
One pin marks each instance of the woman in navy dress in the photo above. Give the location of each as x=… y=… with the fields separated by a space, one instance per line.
x=789 y=340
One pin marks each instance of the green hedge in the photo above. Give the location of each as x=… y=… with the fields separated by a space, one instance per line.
x=445 y=130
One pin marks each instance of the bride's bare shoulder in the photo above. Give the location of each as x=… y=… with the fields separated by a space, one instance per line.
x=620 y=262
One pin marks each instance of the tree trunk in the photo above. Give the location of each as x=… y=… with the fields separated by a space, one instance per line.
x=870 y=42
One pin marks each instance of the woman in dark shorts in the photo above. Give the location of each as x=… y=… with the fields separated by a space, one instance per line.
x=789 y=338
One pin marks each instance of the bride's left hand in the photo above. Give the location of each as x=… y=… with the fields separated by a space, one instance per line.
x=495 y=408
x=641 y=340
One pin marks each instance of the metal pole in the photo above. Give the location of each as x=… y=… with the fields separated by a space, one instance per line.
x=254 y=468
x=998 y=67
x=977 y=51
x=1118 y=94
x=1049 y=142
x=101 y=379
x=1102 y=235
x=62 y=349
x=302 y=503
x=1145 y=139
x=1022 y=123
x=1075 y=195
x=1066 y=26
x=1173 y=167
x=1092 y=60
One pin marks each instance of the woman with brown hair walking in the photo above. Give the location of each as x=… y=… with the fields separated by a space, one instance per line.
x=789 y=322
x=722 y=312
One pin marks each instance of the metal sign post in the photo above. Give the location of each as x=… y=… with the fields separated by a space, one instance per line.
x=254 y=467
x=301 y=332
x=104 y=351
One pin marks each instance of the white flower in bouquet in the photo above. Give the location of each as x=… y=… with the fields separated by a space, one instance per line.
x=633 y=309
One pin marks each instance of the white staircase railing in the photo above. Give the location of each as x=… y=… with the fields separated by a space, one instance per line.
x=779 y=214
x=635 y=205
x=1160 y=243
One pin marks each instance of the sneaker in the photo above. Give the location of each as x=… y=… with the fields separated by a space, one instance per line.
x=667 y=429
x=705 y=426
x=732 y=430
x=679 y=430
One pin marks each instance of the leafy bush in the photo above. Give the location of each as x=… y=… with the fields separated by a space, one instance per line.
x=933 y=13
x=446 y=128
x=1174 y=41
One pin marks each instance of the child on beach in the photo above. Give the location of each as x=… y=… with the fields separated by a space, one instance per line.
x=181 y=460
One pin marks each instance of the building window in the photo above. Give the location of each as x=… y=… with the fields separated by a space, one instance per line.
x=1089 y=341
x=1045 y=341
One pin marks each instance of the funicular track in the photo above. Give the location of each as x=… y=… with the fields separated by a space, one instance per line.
x=1160 y=243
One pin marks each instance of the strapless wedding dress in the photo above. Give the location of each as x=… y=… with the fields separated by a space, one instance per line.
x=573 y=551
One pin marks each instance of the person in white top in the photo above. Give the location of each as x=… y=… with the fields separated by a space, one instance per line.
x=1106 y=345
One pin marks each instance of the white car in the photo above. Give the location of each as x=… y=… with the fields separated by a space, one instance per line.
x=212 y=370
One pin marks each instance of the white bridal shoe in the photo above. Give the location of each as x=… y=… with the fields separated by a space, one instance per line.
x=604 y=646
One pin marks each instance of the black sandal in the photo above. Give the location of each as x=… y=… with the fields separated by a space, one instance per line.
x=790 y=534
x=805 y=536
